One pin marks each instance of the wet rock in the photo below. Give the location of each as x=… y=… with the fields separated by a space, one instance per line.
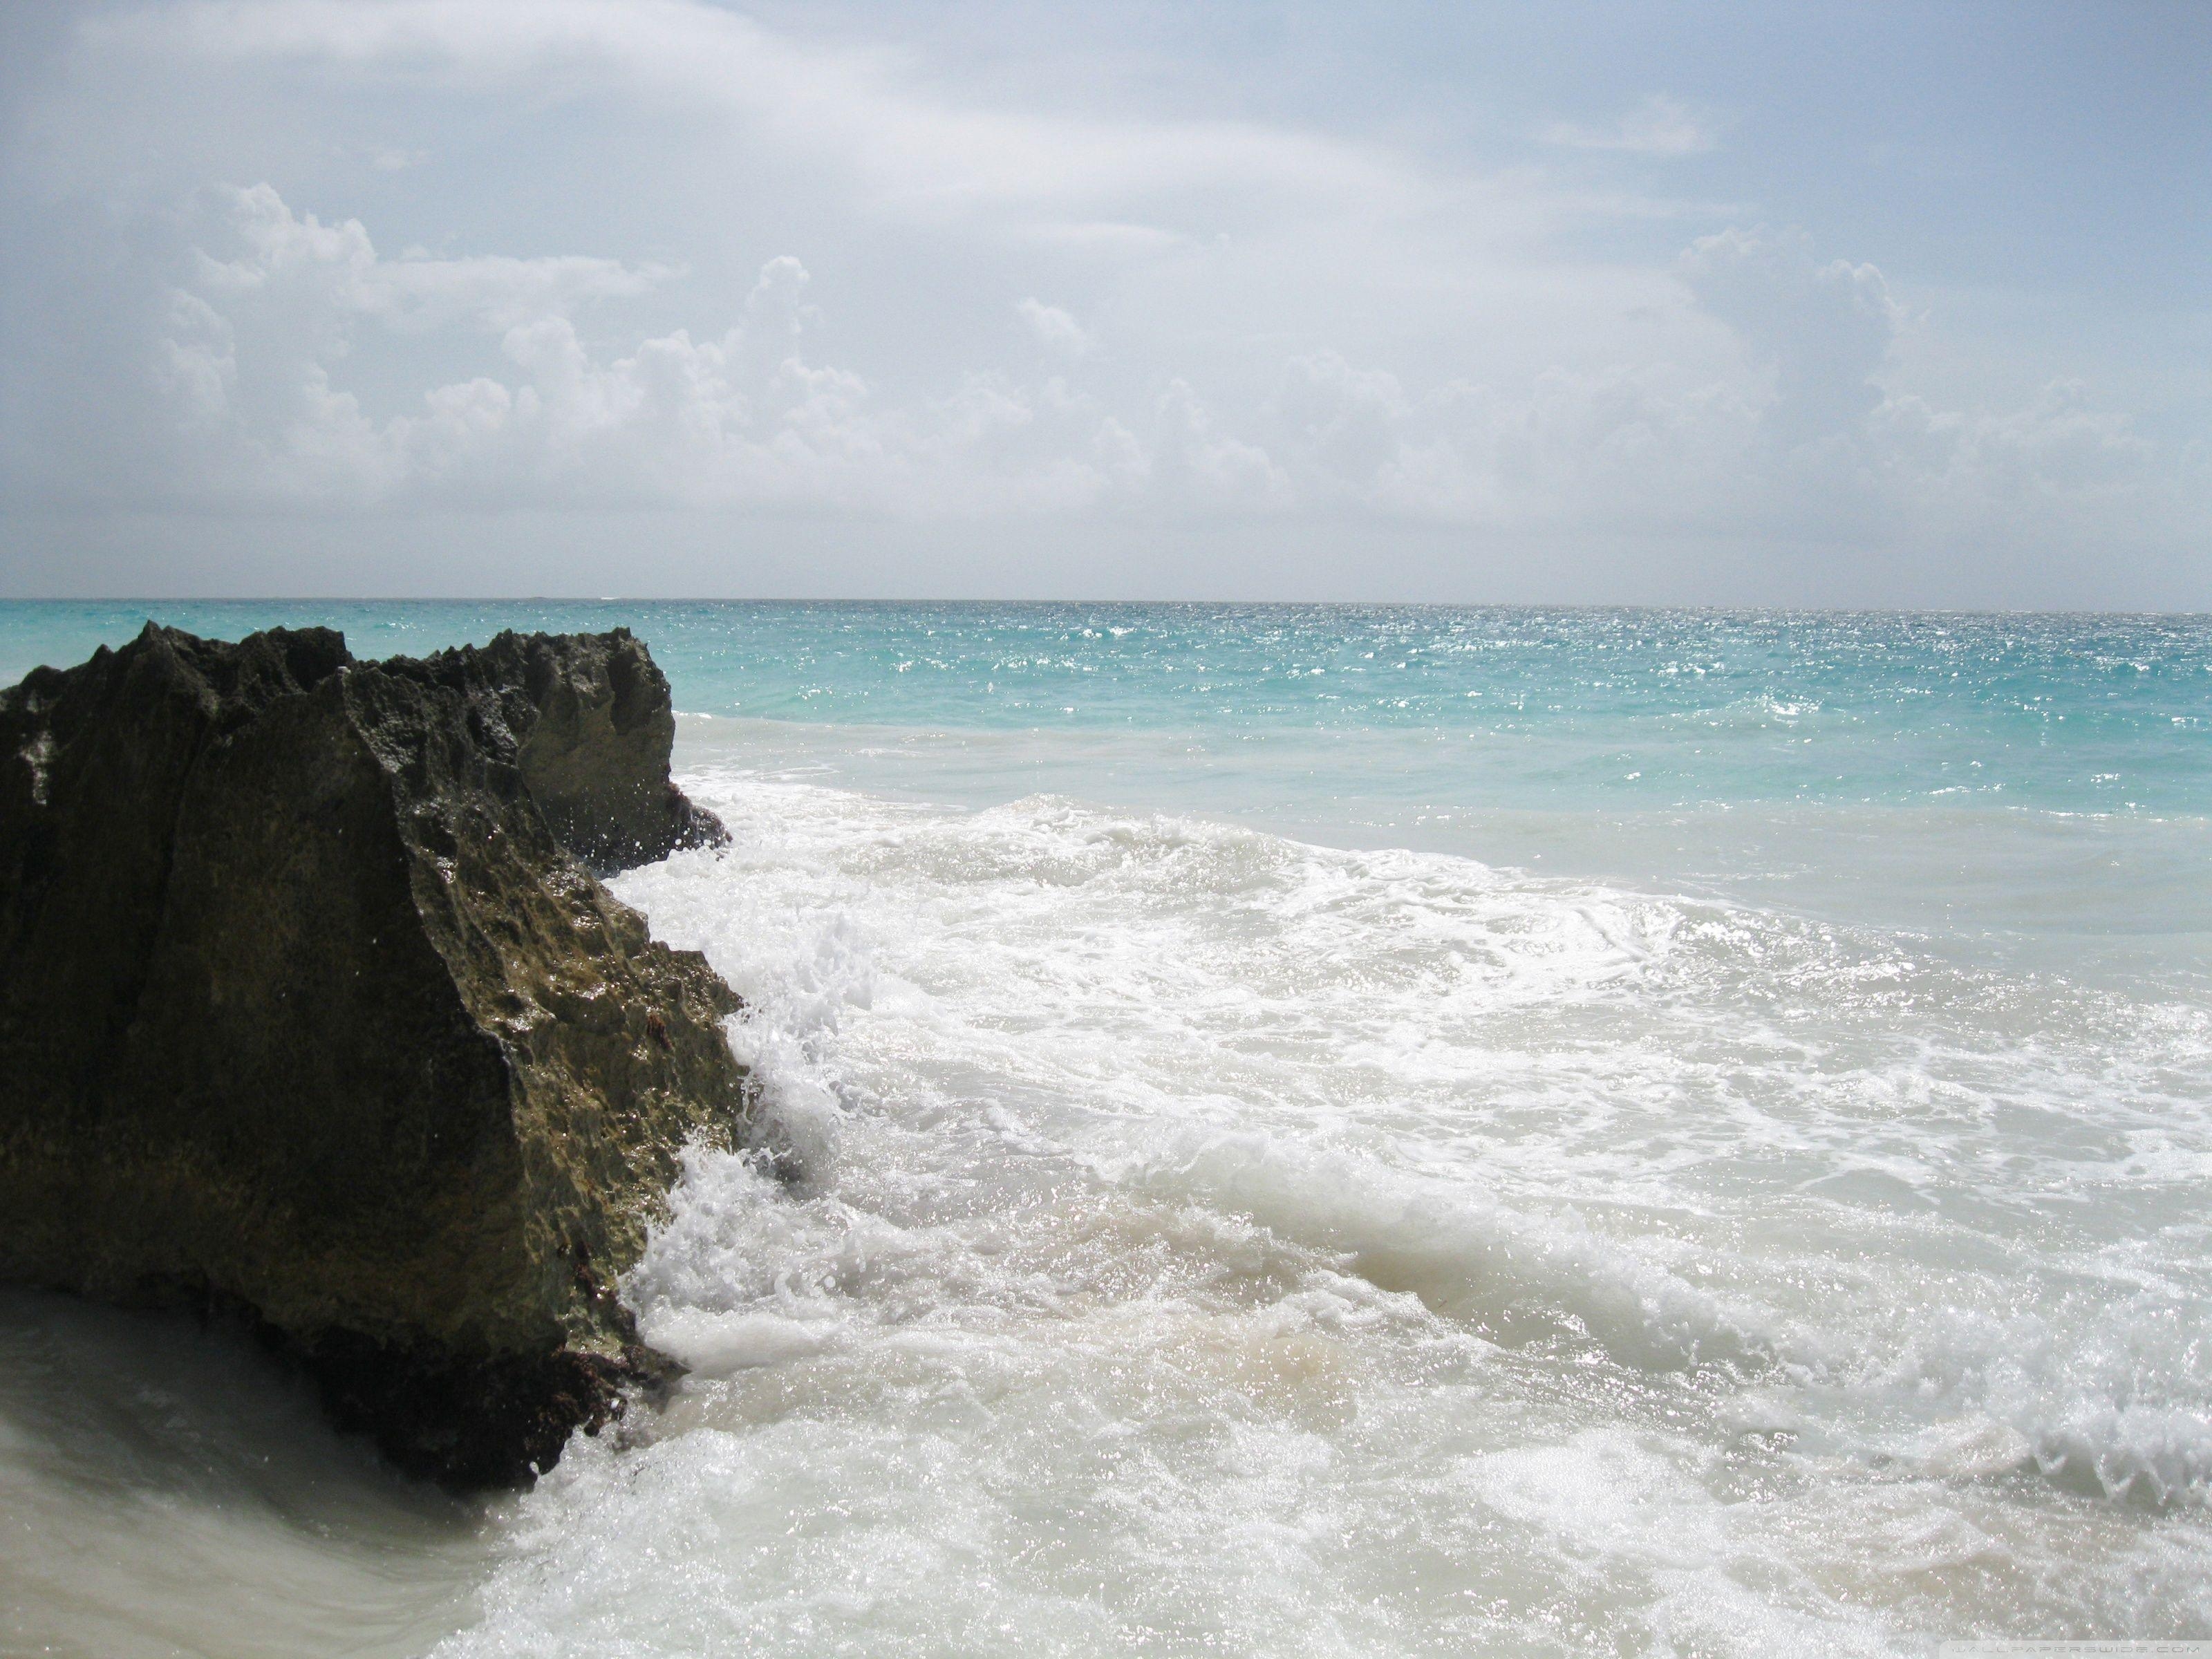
x=311 y=1007
x=593 y=725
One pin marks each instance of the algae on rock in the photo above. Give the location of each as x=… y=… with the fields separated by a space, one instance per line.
x=310 y=1007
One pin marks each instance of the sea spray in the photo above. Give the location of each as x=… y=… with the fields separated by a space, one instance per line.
x=1229 y=1242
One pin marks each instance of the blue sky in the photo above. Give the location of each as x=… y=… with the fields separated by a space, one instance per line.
x=1884 y=305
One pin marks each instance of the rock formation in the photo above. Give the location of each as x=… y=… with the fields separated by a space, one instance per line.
x=593 y=726
x=311 y=1008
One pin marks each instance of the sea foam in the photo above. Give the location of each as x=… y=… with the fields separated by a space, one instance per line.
x=1166 y=1232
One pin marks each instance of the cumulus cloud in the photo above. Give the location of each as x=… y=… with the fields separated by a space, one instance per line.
x=2057 y=454
x=1659 y=125
x=1055 y=330
x=1345 y=423
x=256 y=347
x=276 y=249
x=976 y=309
x=1822 y=330
x=737 y=415
x=1197 y=459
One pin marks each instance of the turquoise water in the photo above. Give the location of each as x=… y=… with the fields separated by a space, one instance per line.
x=1998 y=778
x=1326 y=1130
x=1623 y=709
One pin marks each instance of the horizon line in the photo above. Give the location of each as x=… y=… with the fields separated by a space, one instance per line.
x=1284 y=604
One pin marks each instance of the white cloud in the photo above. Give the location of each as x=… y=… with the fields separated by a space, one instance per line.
x=1055 y=330
x=196 y=361
x=909 y=150
x=275 y=245
x=1302 y=326
x=737 y=416
x=1197 y=460
x=252 y=351
x=1200 y=230
x=2058 y=454
x=1659 y=125
x=1823 y=330
x=1343 y=422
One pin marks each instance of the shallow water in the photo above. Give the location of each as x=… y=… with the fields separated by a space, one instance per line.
x=1658 y=1161
x=165 y=1489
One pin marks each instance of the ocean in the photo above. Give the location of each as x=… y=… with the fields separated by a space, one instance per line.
x=1323 y=1131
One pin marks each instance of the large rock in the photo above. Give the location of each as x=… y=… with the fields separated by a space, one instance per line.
x=310 y=1008
x=593 y=726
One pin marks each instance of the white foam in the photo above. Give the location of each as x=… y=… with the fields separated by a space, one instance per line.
x=1214 y=1242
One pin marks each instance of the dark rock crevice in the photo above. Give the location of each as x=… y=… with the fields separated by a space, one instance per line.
x=309 y=1003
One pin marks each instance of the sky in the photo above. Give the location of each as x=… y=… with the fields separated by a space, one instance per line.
x=1619 y=303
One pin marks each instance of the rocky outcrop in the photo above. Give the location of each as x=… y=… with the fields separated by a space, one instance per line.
x=593 y=725
x=311 y=1007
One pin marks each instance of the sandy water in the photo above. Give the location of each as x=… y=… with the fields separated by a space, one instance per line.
x=1273 y=1186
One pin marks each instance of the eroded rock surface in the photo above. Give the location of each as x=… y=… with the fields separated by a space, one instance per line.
x=593 y=725
x=311 y=1007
